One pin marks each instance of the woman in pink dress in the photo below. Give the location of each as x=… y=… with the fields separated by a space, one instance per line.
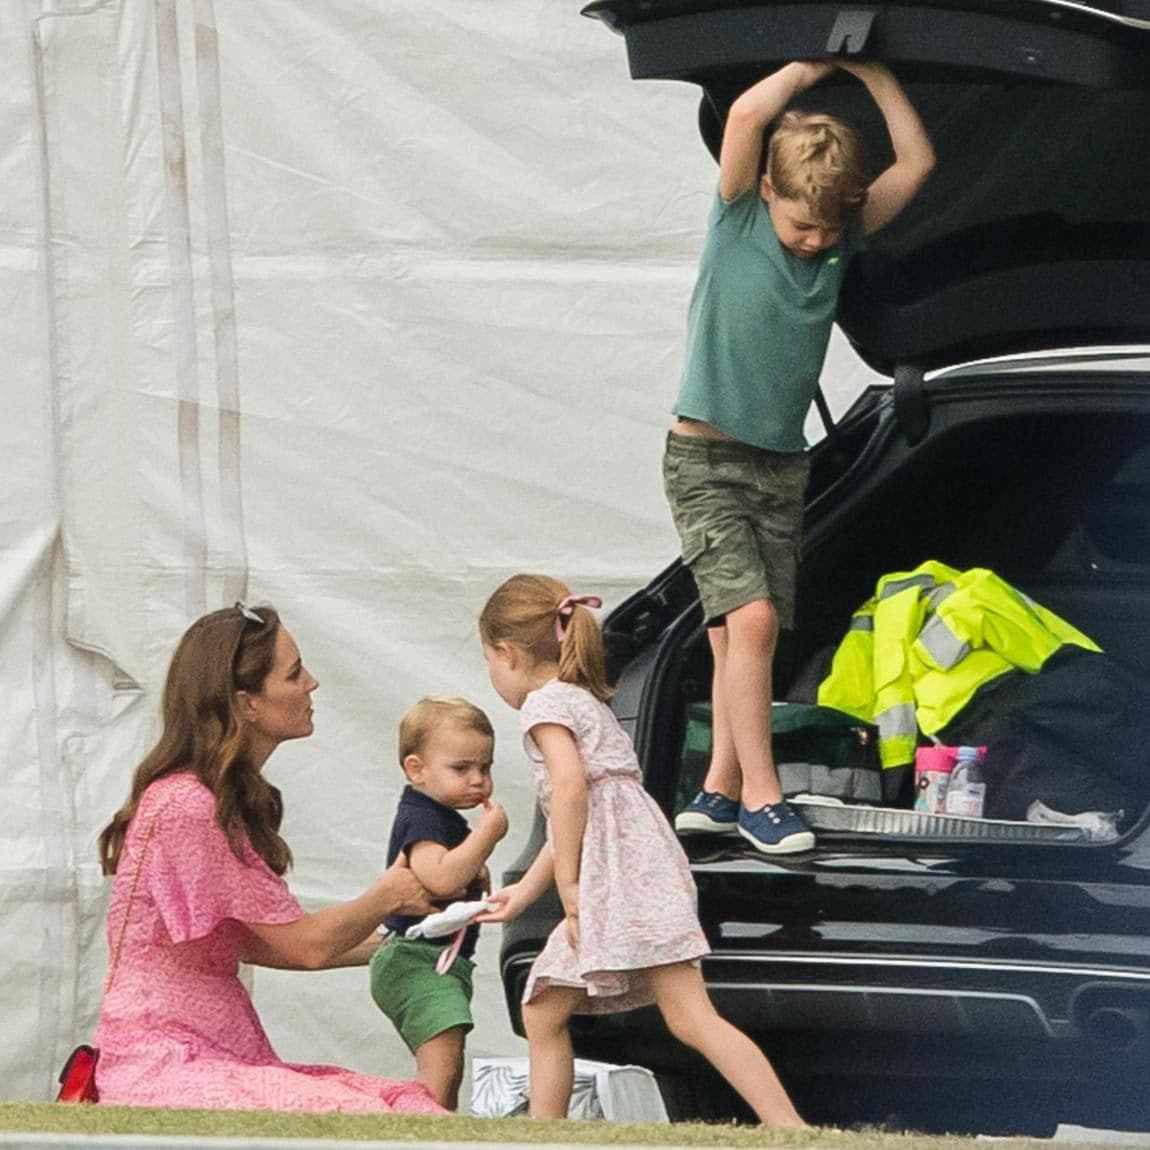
x=199 y=888
x=630 y=933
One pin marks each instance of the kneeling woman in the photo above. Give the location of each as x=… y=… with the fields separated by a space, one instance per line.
x=199 y=863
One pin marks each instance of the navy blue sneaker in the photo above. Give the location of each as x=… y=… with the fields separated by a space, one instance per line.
x=708 y=813
x=776 y=829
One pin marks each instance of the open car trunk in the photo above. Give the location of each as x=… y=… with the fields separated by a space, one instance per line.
x=1033 y=232
x=1043 y=479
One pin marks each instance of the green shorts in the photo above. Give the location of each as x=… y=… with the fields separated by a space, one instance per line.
x=420 y=1002
x=739 y=513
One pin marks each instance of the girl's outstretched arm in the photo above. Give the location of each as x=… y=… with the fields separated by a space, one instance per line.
x=328 y=937
x=511 y=901
x=568 y=813
x=741 y=152
x=893 y=189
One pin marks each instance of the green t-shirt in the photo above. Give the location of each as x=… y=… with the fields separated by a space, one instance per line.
x=758 y=326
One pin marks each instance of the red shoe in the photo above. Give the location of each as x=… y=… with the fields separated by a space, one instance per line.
x=78 y=1078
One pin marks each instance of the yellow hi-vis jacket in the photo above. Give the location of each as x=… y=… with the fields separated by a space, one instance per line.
x=916 y=653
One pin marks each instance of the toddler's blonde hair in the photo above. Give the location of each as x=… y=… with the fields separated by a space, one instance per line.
x=818 y=159
x=434 y=711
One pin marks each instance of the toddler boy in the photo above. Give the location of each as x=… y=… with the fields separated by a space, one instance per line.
x=445 y=749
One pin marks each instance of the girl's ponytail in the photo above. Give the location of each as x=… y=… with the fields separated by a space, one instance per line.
x=581 y=657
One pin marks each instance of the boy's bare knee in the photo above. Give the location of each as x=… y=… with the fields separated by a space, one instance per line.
x=717 y=637
x=758 y=614
x=754 y=625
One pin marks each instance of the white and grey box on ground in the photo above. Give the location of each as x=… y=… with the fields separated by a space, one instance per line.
x=499 y=1089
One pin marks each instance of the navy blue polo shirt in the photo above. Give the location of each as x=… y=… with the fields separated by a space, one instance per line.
x=420 y=819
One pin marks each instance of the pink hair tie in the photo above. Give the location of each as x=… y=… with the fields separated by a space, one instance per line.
x=567 y=606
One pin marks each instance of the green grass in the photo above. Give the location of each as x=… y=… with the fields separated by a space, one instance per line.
x=56 y=1118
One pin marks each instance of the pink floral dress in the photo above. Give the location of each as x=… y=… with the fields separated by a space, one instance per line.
x=177 y=1027
x=637 y=900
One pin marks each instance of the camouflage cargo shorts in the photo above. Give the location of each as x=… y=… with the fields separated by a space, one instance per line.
x=739 y=513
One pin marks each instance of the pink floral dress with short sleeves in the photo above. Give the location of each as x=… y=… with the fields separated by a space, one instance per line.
x=637 y=900
x=177 y=1026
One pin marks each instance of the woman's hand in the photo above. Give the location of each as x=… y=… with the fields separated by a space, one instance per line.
x=407 y=894
x=343 y=934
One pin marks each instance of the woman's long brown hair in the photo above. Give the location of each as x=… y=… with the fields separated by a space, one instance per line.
x=220 y=654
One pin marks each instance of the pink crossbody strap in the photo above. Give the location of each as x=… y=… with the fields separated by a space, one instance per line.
x=114 y=962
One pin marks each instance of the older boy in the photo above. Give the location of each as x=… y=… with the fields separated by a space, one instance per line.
x=735 y=471
x=445 y=749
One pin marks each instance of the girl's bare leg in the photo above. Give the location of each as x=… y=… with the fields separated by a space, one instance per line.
x=549 y=1054
x=687 y=1009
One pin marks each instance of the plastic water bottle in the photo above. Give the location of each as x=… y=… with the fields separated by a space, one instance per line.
x=932 y=768
x=966 y=791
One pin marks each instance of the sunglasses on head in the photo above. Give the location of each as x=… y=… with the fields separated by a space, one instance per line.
x=248 y=613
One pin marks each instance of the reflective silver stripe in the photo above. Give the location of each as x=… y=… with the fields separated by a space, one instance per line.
x=862 y=623
x=944 y=646
x=896 y=721
x=941 y=592
x=893 y=588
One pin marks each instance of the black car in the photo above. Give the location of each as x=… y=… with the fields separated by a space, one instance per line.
x=1000 y=982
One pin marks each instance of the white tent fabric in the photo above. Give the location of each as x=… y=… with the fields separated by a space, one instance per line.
x=355 y=308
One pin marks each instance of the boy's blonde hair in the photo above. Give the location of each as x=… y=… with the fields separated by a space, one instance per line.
x=433 y=711
x=818 y=159
x=524 y=611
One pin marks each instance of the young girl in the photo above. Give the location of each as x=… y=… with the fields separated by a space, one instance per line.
x=630 y=934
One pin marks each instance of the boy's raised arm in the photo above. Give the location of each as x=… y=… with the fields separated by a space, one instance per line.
x=749 y=116
x=446 y=873
x=893 y=189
